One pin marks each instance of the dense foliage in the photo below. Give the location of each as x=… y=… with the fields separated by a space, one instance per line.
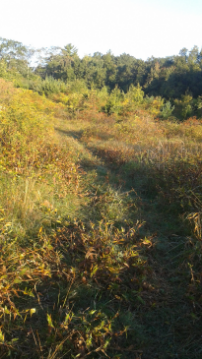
x=177 y=79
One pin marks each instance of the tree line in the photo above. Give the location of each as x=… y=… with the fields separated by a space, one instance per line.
x=175 y=78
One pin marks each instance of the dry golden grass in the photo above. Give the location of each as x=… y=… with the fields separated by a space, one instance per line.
x=100 y=230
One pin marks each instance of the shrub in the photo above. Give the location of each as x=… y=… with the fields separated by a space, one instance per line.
x=167 y=110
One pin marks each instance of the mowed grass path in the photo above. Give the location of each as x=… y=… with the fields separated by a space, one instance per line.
x=97 y=257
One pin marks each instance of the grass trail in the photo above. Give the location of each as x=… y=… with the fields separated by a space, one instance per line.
x=164 y=321
x=100 y=233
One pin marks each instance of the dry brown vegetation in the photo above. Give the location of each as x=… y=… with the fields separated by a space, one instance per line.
x=100 y=230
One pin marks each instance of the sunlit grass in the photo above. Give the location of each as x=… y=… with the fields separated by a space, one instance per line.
x=100 y=230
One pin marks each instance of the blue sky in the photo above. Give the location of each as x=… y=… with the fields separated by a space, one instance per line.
x=141 y=28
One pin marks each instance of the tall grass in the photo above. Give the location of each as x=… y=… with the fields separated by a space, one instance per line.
x=100 y=225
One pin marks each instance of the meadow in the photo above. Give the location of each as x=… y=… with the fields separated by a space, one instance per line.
x=100 y=224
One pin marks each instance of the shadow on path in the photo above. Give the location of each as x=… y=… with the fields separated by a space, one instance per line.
x=165 y=325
